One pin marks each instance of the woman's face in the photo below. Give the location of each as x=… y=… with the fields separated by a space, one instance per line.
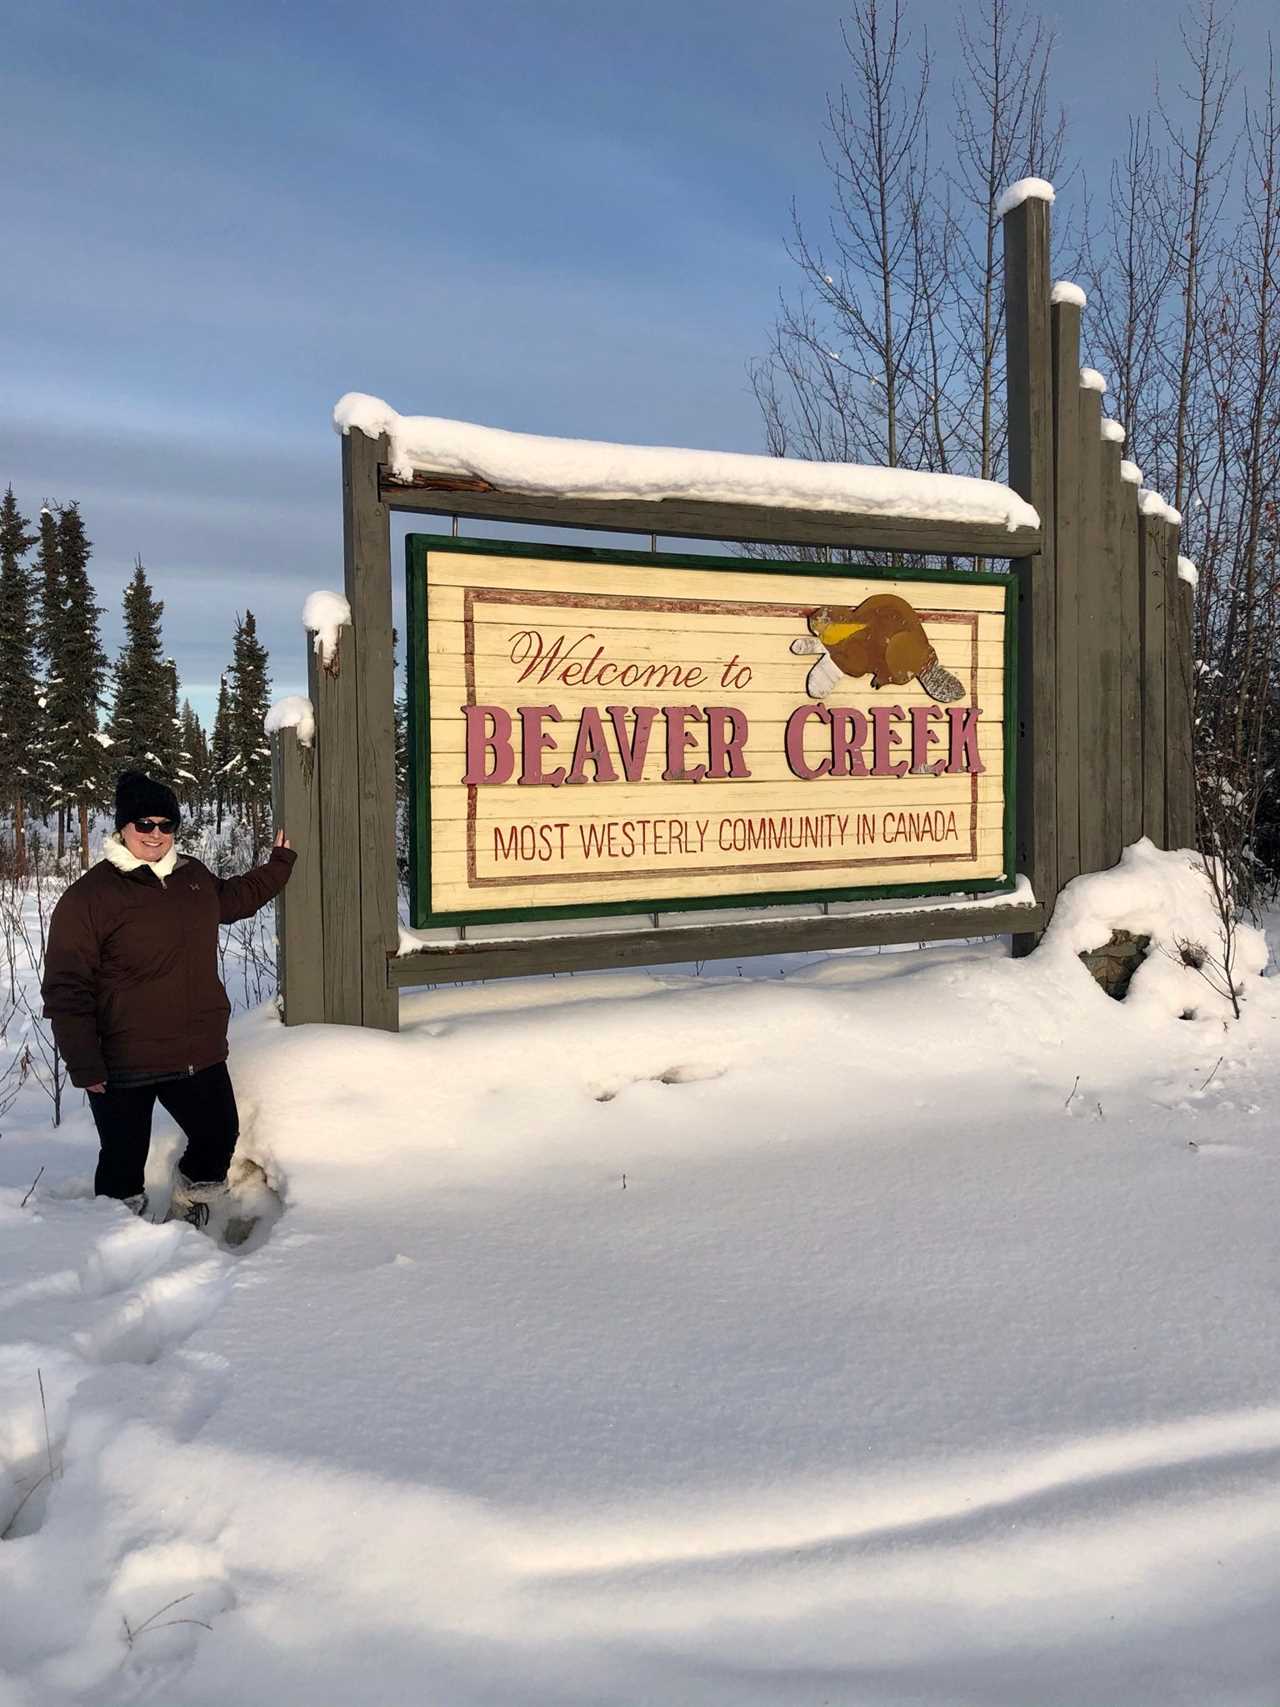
x=146 y=840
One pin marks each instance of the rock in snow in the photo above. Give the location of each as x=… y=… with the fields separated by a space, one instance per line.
x=587 y=468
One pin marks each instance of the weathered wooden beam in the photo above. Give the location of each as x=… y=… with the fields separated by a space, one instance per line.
x=1097 y=664
x=1152 y=573
x=295 y=799
x=1129 y=604
x=1111 y=642
x=466 y=961
x=367 y=567
x=1179 y=681
x=1029 y=387
x=332 y=686
x=683 y=518
x=1072 y=494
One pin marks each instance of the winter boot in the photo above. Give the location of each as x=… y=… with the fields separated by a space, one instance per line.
x=192 y=1200
x=138 y=1204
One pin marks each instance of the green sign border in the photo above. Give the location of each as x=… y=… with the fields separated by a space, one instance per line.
x=418 y=732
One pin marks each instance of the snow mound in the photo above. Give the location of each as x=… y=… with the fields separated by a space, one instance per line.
x=1187 y=571
x=1092 y=380
x=1026 y=189
x=1065 y=291
x=861 y=1327
x=324 y=615
x=587 y=468
x=1168 y=897
x=1112 y=431
x=295 y=711
x=1130 y=472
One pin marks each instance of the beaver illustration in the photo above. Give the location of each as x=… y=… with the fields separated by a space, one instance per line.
x=882 y=638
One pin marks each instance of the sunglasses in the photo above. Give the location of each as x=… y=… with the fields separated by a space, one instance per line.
x=145 y=826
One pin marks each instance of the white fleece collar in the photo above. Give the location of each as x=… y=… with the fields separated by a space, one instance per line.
x=114 y=850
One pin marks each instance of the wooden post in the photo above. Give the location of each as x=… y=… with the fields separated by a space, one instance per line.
x=1129 y=596
x=299 y=915
x=372 y=808
x=331 y=685
x=1098 y=679
x=1070 y=486
x=1151 y=560
x=1112 y=642
x=1180 y=812
x=1030 y=408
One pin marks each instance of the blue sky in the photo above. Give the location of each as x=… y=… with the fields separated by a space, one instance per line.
x=550 y=216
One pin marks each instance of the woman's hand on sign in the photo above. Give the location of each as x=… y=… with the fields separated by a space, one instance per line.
x=96 y=1090
x=282 y=841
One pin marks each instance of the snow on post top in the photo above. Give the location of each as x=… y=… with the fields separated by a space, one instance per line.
x=1065 y=291
x=1112 y=431
x=588 y=468
x=1026 y=189
x=1092 y=380
x=1153 y=504
x=1187 y=571
x=1131 y=472
x=323 y=615
x=295 y=711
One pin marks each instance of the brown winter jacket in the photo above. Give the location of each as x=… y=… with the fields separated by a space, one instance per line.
x=131 y=971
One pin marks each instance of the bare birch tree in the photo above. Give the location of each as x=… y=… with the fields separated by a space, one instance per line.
x=1004 y=127
x=846 y=375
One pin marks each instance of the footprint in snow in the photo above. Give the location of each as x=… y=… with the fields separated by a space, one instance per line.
x=163 y=1312
x=127 y=1255
x=689 y=1073
x=166 y=1597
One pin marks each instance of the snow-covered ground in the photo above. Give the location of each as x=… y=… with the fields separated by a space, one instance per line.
x=887 y=1329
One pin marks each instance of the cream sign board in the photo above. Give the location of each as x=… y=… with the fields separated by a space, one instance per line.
x=593 y=732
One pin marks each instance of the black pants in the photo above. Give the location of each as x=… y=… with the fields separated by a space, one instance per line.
x=204 y=1106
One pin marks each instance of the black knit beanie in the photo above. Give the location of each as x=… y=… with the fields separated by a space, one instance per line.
x=138 y=797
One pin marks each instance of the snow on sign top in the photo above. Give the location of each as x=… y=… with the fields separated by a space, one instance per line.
x=1065 y=291
x=1112 y=431
x=1092 y=380
x=587 y=468
x=1026 y=189
x=1187 y=571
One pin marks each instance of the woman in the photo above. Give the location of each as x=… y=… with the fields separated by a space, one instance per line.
x=139 y=1012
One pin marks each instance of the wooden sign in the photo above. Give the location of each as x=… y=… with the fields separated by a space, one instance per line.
x=623 y=731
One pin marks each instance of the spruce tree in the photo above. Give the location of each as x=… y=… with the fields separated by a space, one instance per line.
x=221 y=753
x=249 y=695
x=142 y=731
x=48 y=578
x=172 y=736
x=192 y=773
x=401 y=729
x=77 y=671
x=19 y=703
x=48 y=569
